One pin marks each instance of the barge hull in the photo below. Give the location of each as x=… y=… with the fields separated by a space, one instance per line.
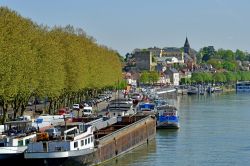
x=121 y=141
x=136 y=131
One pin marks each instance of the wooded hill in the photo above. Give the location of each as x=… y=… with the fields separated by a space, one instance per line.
x=61 y=63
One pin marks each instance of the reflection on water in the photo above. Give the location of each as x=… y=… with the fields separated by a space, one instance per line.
x=145 y=155
x=137 y=156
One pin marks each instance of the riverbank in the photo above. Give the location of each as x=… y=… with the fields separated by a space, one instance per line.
x=228 y=89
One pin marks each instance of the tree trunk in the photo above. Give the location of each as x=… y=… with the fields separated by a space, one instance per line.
x=17 y=104
x=54 y=107
x=22 y=109
x=50 y=106
x=5 y=109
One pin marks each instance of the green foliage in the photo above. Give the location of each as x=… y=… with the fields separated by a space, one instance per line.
x=244 y=76
x=208 y=53
x=238 y=76
x=203 y=77
x=230 y=77
x=240 y=55
x=153 y=76
x=52 y=62
x=215 y=63
x=149 y=77
x=227 y=55
x=230 y=66
x=207 y=77
x=197 y=78
x=144 y=77
x=121 y=84
x=219 y=77
x=185 y=81
x=199 y=56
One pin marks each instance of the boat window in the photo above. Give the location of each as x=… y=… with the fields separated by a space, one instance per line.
x=88 y=140
x=75 y=144
x=58 y=149
x=82 y=142
x=20 y=143
x=45 y=146
x=27 y=141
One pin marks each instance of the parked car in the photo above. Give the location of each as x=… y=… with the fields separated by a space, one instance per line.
x=87 y=111
x=89 y=102
x=76 y=106
x=63 y=111
x=54 y=133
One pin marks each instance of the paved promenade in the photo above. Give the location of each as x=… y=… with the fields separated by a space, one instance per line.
x=100 y=108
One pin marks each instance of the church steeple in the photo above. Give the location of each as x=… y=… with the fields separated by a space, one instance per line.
x=186 y=47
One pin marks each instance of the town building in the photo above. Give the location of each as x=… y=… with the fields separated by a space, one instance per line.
x=144 y=60
x=189 y=55
x=174 y=76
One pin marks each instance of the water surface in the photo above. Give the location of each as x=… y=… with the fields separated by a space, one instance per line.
x=215 y=131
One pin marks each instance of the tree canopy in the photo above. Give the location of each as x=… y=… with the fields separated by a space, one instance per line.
x=50 y=62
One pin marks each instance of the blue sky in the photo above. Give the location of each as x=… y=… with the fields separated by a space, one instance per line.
x=124 y=25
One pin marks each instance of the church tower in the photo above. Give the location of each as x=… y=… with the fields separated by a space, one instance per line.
x=187 y=47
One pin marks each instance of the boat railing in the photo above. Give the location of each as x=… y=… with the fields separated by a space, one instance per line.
x=115 y=133
x=69 y=130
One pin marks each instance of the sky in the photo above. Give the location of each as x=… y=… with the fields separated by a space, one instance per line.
x=124 y=25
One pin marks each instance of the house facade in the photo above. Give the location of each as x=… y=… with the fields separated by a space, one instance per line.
x=174 y=76
x=144 y=60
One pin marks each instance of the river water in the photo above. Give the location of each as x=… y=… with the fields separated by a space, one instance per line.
x=215 y=131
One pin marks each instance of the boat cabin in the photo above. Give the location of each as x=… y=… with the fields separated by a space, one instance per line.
x=120 y=108
x=17 y=133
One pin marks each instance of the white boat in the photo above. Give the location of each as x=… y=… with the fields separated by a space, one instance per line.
x=82 y=148
x=120 y=107
x=243 y=86
x=192 y=90
x=165 y=90
x=15 y=138
x=76 y=142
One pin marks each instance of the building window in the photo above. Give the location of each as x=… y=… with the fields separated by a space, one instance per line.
x=86 y=142
x=91 y=139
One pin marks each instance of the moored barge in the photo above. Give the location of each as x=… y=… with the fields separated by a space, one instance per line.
x=109 y=142
x=243 y=86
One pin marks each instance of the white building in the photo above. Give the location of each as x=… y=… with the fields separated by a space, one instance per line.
x=174 y=76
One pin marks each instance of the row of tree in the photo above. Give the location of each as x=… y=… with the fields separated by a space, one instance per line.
x=209 y=52
x=228 y=77
x=218 y=77
x=222 y=59
x=149 y=77
x=60 y=63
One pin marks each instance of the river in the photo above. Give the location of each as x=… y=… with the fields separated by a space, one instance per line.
x=215 y=131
